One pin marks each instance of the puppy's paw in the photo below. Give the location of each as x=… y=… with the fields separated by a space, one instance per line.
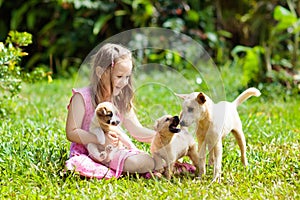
x=168 y=174
x=157 y=174
x=103 y=155
x=201 y=172
x=109 y=148
x=217 y=178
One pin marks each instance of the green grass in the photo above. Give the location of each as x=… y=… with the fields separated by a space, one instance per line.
x=34 y=148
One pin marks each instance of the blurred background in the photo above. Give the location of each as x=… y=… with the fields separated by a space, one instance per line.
x=260 y=37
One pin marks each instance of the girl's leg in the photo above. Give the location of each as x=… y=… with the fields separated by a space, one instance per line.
x=140 y=163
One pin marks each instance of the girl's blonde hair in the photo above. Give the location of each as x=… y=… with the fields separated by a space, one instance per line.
x=107 y=56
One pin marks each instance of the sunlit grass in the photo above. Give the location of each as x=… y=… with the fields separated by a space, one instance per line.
x=34 y=148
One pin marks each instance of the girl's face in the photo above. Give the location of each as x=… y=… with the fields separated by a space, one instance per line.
x=120 y=75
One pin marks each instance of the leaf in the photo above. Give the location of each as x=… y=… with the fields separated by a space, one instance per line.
x=297 y=26
x=251 y=67
x=239 y=49
x=17 y=16
x=280 y=13
x=175 y=24
x=31 y=19
x=100 y=23
x=120 y=12
x=149 y=9
x=212 y=36
x=284 y=17
x=1 y=46
x=224 y=33
x=20 y=38
x=193 y=16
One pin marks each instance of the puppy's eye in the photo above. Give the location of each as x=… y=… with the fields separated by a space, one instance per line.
x=109 y=114
x=190 y=109
x=167 y=119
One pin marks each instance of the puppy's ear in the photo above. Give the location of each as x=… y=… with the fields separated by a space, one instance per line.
x=201 y=98
x=182 y=96
x=101 y=111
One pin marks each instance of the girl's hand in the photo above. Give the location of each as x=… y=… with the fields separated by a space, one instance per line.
x=112 y=138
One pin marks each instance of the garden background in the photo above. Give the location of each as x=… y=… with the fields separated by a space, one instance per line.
x=252 y=43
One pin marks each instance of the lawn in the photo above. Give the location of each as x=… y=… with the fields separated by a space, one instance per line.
x=34 y=148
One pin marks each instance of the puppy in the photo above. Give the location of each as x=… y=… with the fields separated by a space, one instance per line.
x=170 y=143
x=106 y=119
x=214 y=122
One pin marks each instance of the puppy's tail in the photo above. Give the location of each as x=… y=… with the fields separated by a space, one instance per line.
x=245 y=95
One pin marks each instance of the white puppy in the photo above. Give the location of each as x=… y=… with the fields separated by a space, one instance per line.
x=170 y=143
x=214 y=122
x=105 y=119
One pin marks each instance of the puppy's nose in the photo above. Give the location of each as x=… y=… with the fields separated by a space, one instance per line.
x=115 y=123
x=182 y=123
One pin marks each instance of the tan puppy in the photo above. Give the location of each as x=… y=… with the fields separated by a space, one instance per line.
x=170 y=143
x=106 y=119
x=214 y=122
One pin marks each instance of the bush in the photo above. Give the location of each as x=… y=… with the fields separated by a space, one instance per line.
x=11 y=73
x=276 y=59
x=10 y=57
x=65 y=31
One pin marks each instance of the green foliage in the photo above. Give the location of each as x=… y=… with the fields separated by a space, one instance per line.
x=10 y=57
x=71 y=28
x=12 y=75
x=251 y=61
x=67 y=30
x=276 y=59
x=285 y=32
x=285 y=18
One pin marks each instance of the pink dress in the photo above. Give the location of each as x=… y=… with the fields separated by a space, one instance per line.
x=79 y=159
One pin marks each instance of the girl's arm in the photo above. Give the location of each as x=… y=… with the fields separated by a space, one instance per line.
x=74 y=121
x=134 y=127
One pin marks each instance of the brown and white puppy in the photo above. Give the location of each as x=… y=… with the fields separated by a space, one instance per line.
x=171 y=143
x=105 y=119
x=214 y=122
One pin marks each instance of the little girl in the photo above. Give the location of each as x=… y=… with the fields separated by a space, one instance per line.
x=110 y=81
